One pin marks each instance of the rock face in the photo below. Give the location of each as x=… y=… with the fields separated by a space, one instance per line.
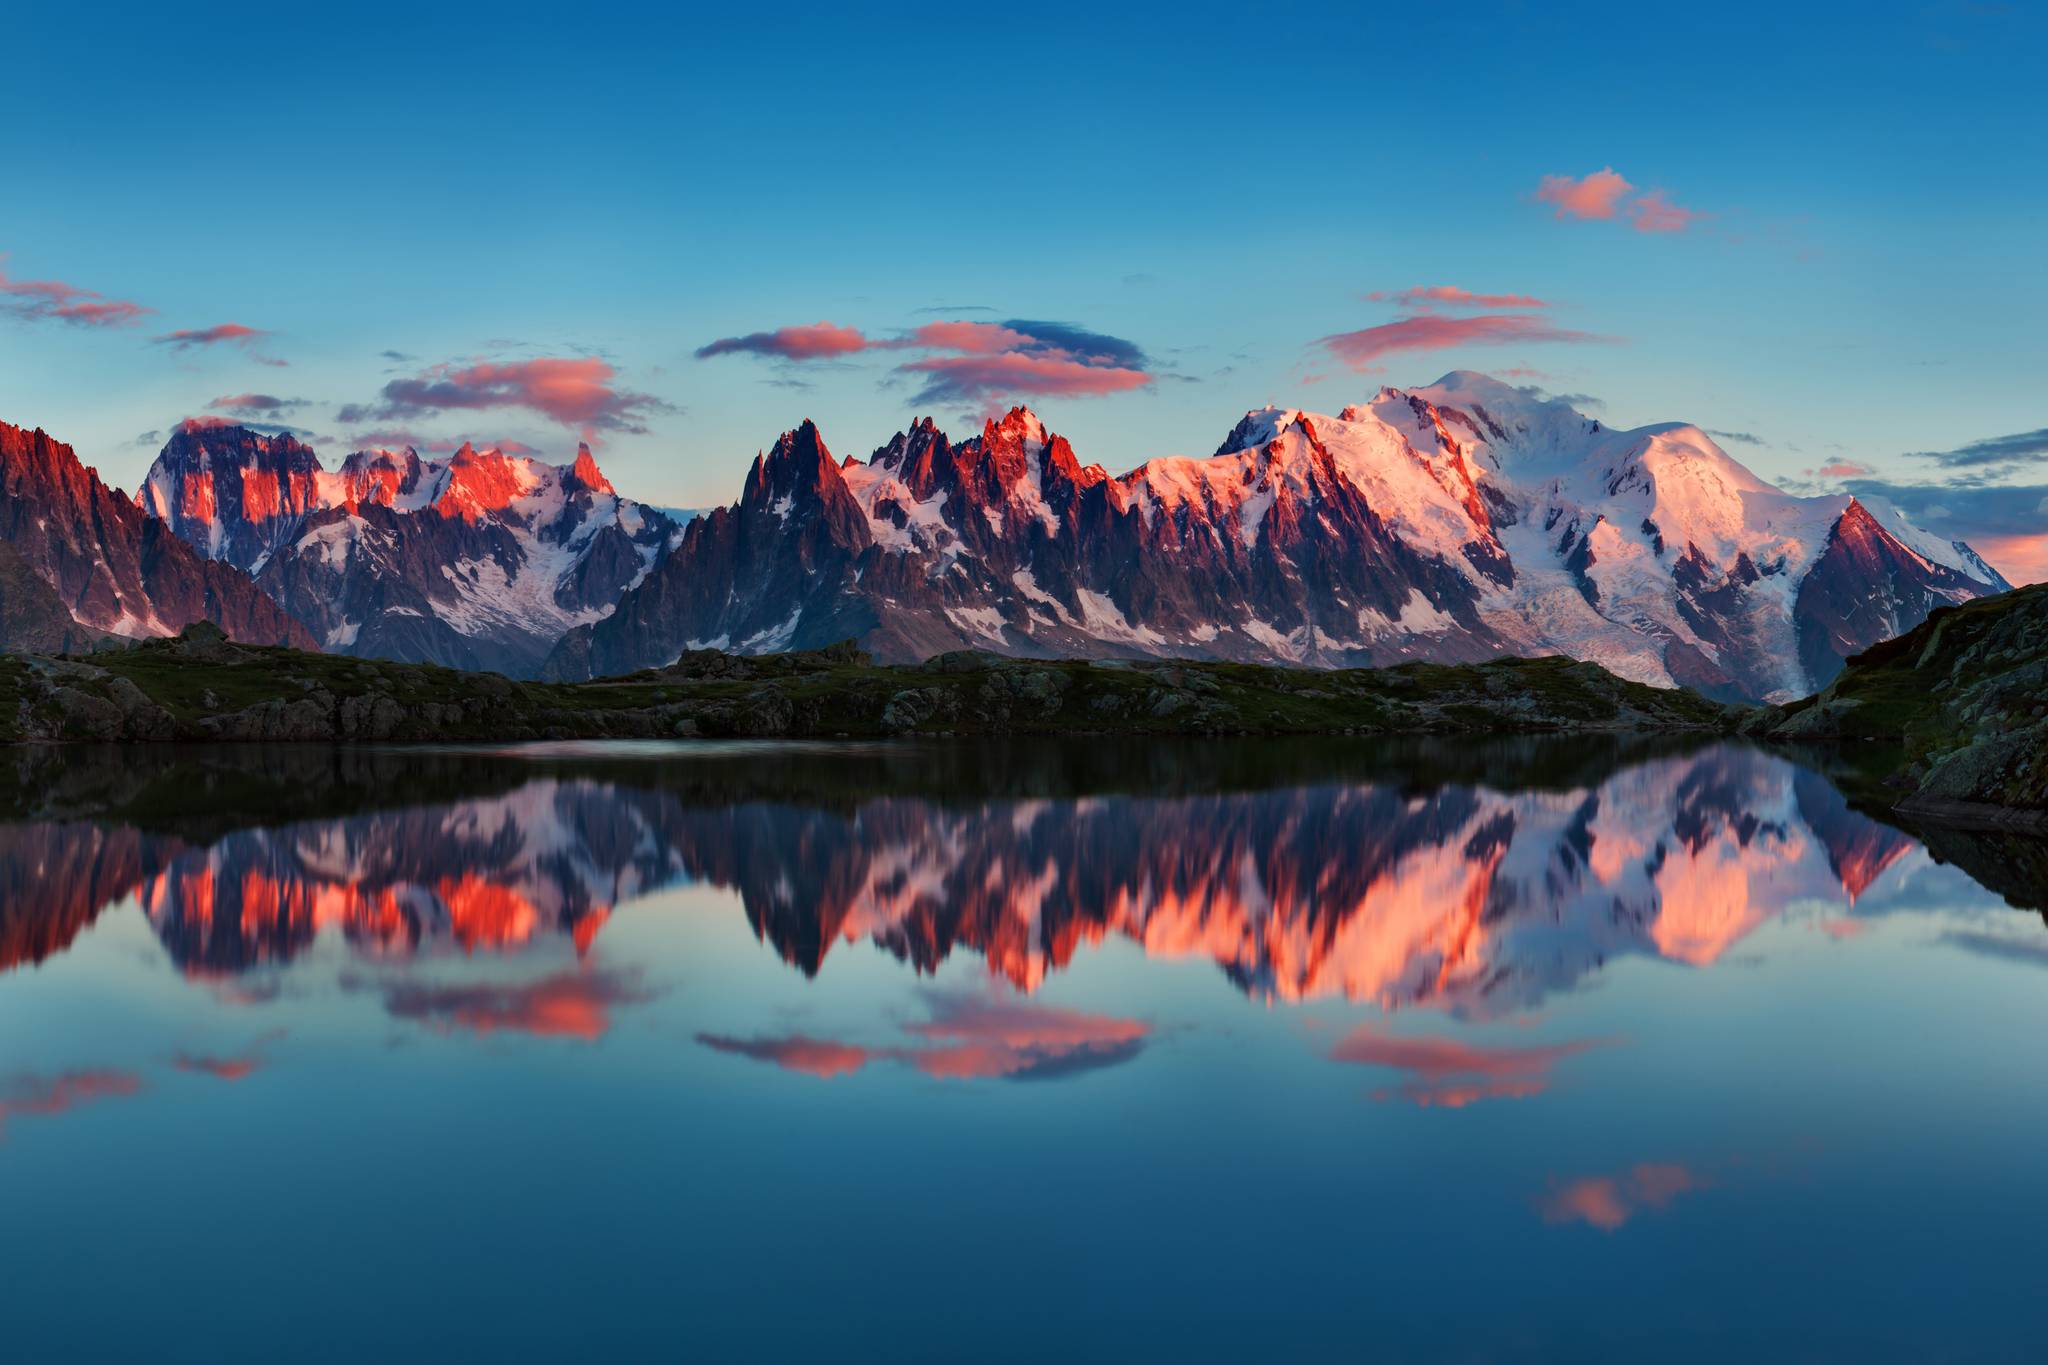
x=481 y=560
x=1450 y=523
x=1965 y=696
x=112 y=569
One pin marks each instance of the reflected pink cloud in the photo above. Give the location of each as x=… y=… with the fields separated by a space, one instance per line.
x=990 y=1035
x=818 y=1057
x=970 y=1036
x=220 y=1068
x=1449 y=1073
x=1609 y=1201
x=572 y=1004
x=42 y=1097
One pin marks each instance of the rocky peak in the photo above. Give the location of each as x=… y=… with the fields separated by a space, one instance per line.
x=797 y=469
x=209 y=443
x=480 y=482
x=380 y=477
x=585 y=473
x=922 y=458
x=33 y=462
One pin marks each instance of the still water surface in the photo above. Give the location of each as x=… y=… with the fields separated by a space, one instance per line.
x=1548 y=1051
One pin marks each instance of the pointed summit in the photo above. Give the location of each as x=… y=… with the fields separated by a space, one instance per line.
x=586 y=472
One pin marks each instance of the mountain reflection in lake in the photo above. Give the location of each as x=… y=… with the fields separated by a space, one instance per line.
x=1555 y=1014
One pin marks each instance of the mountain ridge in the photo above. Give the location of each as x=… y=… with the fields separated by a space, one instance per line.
x=110 y=569
x=1454 y=522
x=479 y=560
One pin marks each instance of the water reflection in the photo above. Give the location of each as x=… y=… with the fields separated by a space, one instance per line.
x=1477 y=896
x=1556 y=1014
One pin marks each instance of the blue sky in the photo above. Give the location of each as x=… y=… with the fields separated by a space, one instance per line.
x=1216 y=187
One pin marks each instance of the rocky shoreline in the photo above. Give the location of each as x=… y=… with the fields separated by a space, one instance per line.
x=1960 y=704
x=203 y=687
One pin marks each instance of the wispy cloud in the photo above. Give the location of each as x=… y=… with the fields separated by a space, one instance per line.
x=968 y=360
x=254 y=404
x=1436 y=332
x=233 y=333
x=1424 y=296
x=56 y=301
x=2021 y=447
x=1656 y=212
x=974 y=379
x=809 y=341
x=580 y=393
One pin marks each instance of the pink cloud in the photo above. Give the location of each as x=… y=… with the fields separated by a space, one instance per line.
x=577 y=393
x=813 y=341
x=1608 y=1201
x=978 y=338
x=1654 y=212
x=1594 y=196
x=1448 y=1073
x=977 y=361
x=187 y=338
x=248 y=403
x=2021 y=558
x=1844 y=469
x=61 y=302
x=1450 y=296
x=1433 y=332
x=970 y=378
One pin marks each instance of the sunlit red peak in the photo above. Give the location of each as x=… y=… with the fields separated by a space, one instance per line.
x=1019 y=422
x=586 y=472
x=379 y=476
x=482 y=481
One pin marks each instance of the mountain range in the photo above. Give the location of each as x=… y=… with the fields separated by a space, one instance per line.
x=481 y=560
x=1454 y=522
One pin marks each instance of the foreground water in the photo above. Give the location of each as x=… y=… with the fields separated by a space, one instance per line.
x=1534 y=1052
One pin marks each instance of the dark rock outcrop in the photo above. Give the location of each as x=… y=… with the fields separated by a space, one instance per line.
x=114 y=569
